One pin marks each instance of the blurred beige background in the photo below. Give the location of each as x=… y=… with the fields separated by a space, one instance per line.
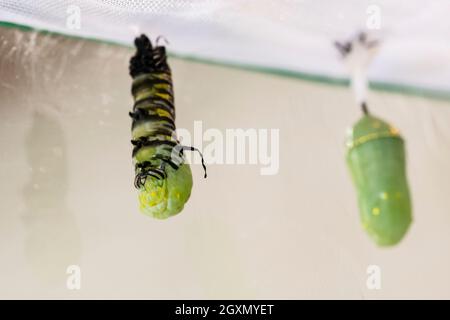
x=67 y=194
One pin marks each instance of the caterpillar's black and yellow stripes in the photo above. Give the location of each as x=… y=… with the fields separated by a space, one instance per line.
x=163 y=178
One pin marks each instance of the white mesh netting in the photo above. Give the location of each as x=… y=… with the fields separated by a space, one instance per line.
x=293 y=35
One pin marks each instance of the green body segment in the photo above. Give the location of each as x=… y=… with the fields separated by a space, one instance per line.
x=376 y=160
x=162 y=199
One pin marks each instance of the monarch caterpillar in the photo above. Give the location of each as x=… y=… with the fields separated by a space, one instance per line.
x=376 y=160
x=162 y=176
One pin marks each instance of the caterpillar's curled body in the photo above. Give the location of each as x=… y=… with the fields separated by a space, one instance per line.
x=163 y=178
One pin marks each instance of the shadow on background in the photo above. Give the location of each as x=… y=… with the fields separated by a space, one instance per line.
x=53 y=240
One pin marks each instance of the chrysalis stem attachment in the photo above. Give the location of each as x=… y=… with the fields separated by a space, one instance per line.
x=357 y=54
x=364 y=108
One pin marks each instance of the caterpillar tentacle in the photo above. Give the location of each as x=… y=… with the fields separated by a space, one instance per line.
x=201 y=155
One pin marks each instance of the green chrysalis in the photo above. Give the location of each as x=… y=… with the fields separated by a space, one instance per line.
x=163 y=178
x=376 y=160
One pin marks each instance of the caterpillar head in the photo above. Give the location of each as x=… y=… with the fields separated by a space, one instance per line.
x=163 y=198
